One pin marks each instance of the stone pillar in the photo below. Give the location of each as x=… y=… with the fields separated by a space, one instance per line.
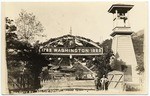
x=122 y=47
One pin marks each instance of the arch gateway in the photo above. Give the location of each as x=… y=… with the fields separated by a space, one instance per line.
x=69 y=55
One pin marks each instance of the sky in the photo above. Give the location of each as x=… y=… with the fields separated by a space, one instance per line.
x=87 y=19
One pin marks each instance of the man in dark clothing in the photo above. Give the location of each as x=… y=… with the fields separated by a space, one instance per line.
x=106 y=85
x=96 y=81
x=98 y=84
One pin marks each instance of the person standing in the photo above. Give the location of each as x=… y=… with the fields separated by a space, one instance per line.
x=104 y=83
x=96 y=81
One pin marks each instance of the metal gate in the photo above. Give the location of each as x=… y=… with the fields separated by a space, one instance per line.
x=116 y=80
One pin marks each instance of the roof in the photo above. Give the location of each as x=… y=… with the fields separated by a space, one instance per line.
x=122 y=8
x=68 y=37
x=120 y=33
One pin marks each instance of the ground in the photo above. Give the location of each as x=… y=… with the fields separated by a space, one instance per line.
x=67 y=86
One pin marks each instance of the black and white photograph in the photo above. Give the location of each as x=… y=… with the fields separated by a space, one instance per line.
x=74 y=47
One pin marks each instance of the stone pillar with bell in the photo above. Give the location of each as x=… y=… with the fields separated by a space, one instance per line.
x=122 y=45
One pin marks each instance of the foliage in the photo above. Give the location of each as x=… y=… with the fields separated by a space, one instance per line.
x=118 y=65
x=115 y=64
x=65 y=39
x=11 y=39
x=28 y=28
x=106 y=45
x=102 y=63
x=21 y=56
x=79 y=74
x=138 y=41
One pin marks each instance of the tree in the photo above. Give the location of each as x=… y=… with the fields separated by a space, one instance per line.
x=28 y=28
x=79 y=74
x=11 y=41
x=10 y=29
x=21 y=53
x=138 y=42
x=105 y=59
x=106 y=44
x=118 y=65
x=13 y=50
x=102 y=64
